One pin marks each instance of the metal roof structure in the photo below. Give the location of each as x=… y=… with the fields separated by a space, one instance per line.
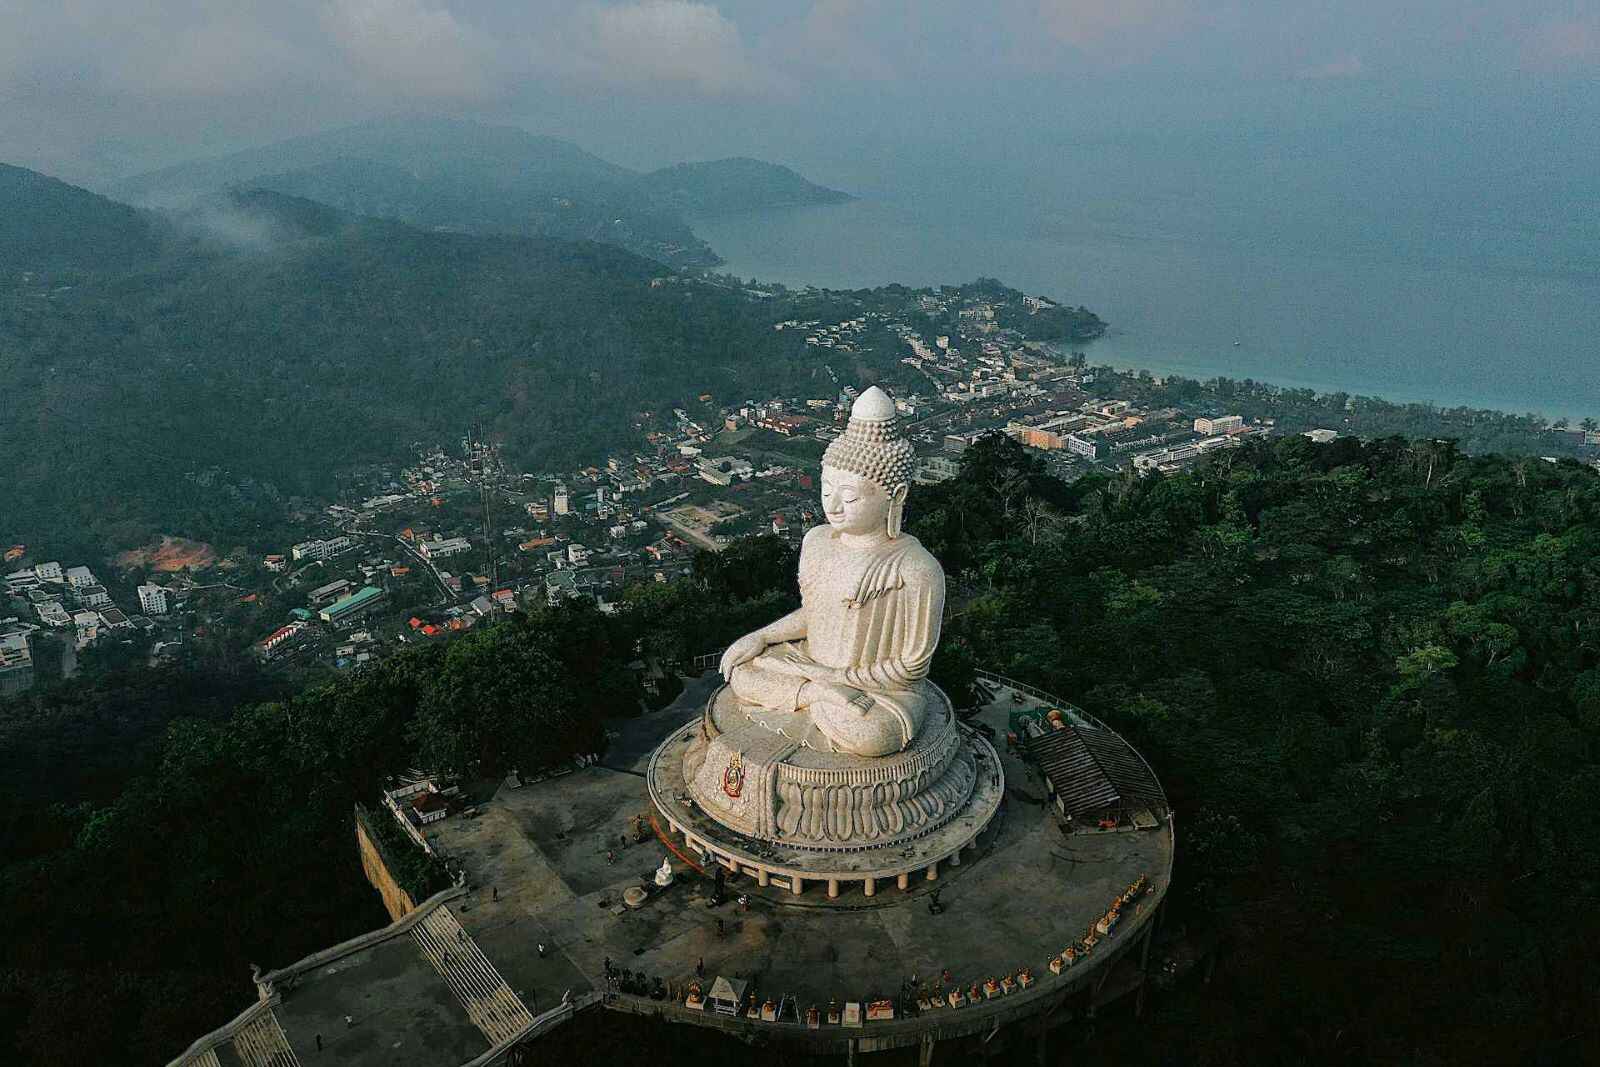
x=1091 y=768
x=351 y=603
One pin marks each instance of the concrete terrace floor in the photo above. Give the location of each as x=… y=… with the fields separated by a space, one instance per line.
x=1027 y=894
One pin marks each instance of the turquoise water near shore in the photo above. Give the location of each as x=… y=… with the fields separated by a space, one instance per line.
x=1413 y=278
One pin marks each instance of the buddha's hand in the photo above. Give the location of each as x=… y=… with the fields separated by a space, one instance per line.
x=743 y=650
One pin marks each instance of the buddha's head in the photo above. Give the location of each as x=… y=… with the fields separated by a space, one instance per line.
x=866 y=472
x=853 y=503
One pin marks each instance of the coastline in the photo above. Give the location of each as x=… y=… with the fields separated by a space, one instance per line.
x=1464 y=333
x=1203 y=370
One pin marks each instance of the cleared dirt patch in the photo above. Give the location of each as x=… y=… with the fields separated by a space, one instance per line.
x=171 y=554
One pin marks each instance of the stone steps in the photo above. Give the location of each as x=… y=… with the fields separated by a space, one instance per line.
x=262 y=1044
x=490 y=1003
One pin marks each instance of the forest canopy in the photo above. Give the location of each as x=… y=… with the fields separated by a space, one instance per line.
x=1367 y=674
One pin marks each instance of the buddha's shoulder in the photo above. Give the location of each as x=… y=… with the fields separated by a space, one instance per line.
x=815 y=536
x=916 y=561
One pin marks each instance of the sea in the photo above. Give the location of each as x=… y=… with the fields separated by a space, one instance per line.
x=1412 y=262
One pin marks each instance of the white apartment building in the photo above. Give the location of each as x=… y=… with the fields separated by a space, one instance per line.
x=1219 y=425
x=449 y=546
x=560 y=501
x=80 y=577
x=47 y=572
x=152 y=600
x=321 y=549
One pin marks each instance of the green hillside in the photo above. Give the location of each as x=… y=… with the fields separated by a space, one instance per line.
x=47 y=224
x=725 y=186
x=273 y=343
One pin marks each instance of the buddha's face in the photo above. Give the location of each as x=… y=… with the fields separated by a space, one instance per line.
x=852 y=503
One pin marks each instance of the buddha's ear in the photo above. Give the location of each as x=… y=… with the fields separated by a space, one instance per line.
x=897 y=508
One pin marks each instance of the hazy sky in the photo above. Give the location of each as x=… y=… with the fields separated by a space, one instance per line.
x=90 y=89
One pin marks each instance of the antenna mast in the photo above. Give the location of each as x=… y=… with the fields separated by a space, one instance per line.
x=482 y=455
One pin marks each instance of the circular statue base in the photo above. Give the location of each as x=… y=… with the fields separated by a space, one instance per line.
x=745 y=794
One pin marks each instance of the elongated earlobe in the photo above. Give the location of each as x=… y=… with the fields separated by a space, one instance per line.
x=897 y=510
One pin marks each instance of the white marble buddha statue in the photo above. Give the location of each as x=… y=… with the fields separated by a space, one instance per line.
x=853 y=657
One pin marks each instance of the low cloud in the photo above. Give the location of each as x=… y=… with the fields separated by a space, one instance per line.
x=1114 y=30
x=837 y=36
x=1347 y=66
x=674 y=44
x=413 y=49
x=1563 y=44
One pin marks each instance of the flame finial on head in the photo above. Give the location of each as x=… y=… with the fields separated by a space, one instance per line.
x=872 y=445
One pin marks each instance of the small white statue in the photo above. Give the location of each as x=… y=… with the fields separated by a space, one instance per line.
x=664 y=873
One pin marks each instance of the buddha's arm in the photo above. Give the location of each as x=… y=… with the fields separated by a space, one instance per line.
x=792 y=627
x=921 y=607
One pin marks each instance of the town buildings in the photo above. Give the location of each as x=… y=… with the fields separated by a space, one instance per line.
x=445 y=548
x=1219 y=425
x=347 y=611
x=16 y=663
x=152 y=600
x=331 y=591
x=319 y=550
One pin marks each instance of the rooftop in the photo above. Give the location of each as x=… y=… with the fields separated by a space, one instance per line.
x=353 y=601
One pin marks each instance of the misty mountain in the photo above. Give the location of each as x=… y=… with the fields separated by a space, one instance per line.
x=726 y=186
x=46 y=224
x=466 y=177
x=422 y=146
x=251 y=220
x=267 y=343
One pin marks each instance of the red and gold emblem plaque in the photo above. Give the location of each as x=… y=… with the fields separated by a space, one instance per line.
x=733 y=776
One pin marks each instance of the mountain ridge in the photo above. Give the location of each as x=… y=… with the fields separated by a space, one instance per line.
x=455 y=175
x=48 y=224
x=736 y=184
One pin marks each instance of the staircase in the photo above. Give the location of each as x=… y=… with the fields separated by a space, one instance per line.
x=263 y=1044
x=491 y=1005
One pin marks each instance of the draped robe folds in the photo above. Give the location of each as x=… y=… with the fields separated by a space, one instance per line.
x=873 y=614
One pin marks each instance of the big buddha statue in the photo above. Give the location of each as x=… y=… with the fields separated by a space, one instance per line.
x=828 y=733
x=853 y=657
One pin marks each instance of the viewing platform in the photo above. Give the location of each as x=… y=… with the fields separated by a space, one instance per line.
x=524 y=944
